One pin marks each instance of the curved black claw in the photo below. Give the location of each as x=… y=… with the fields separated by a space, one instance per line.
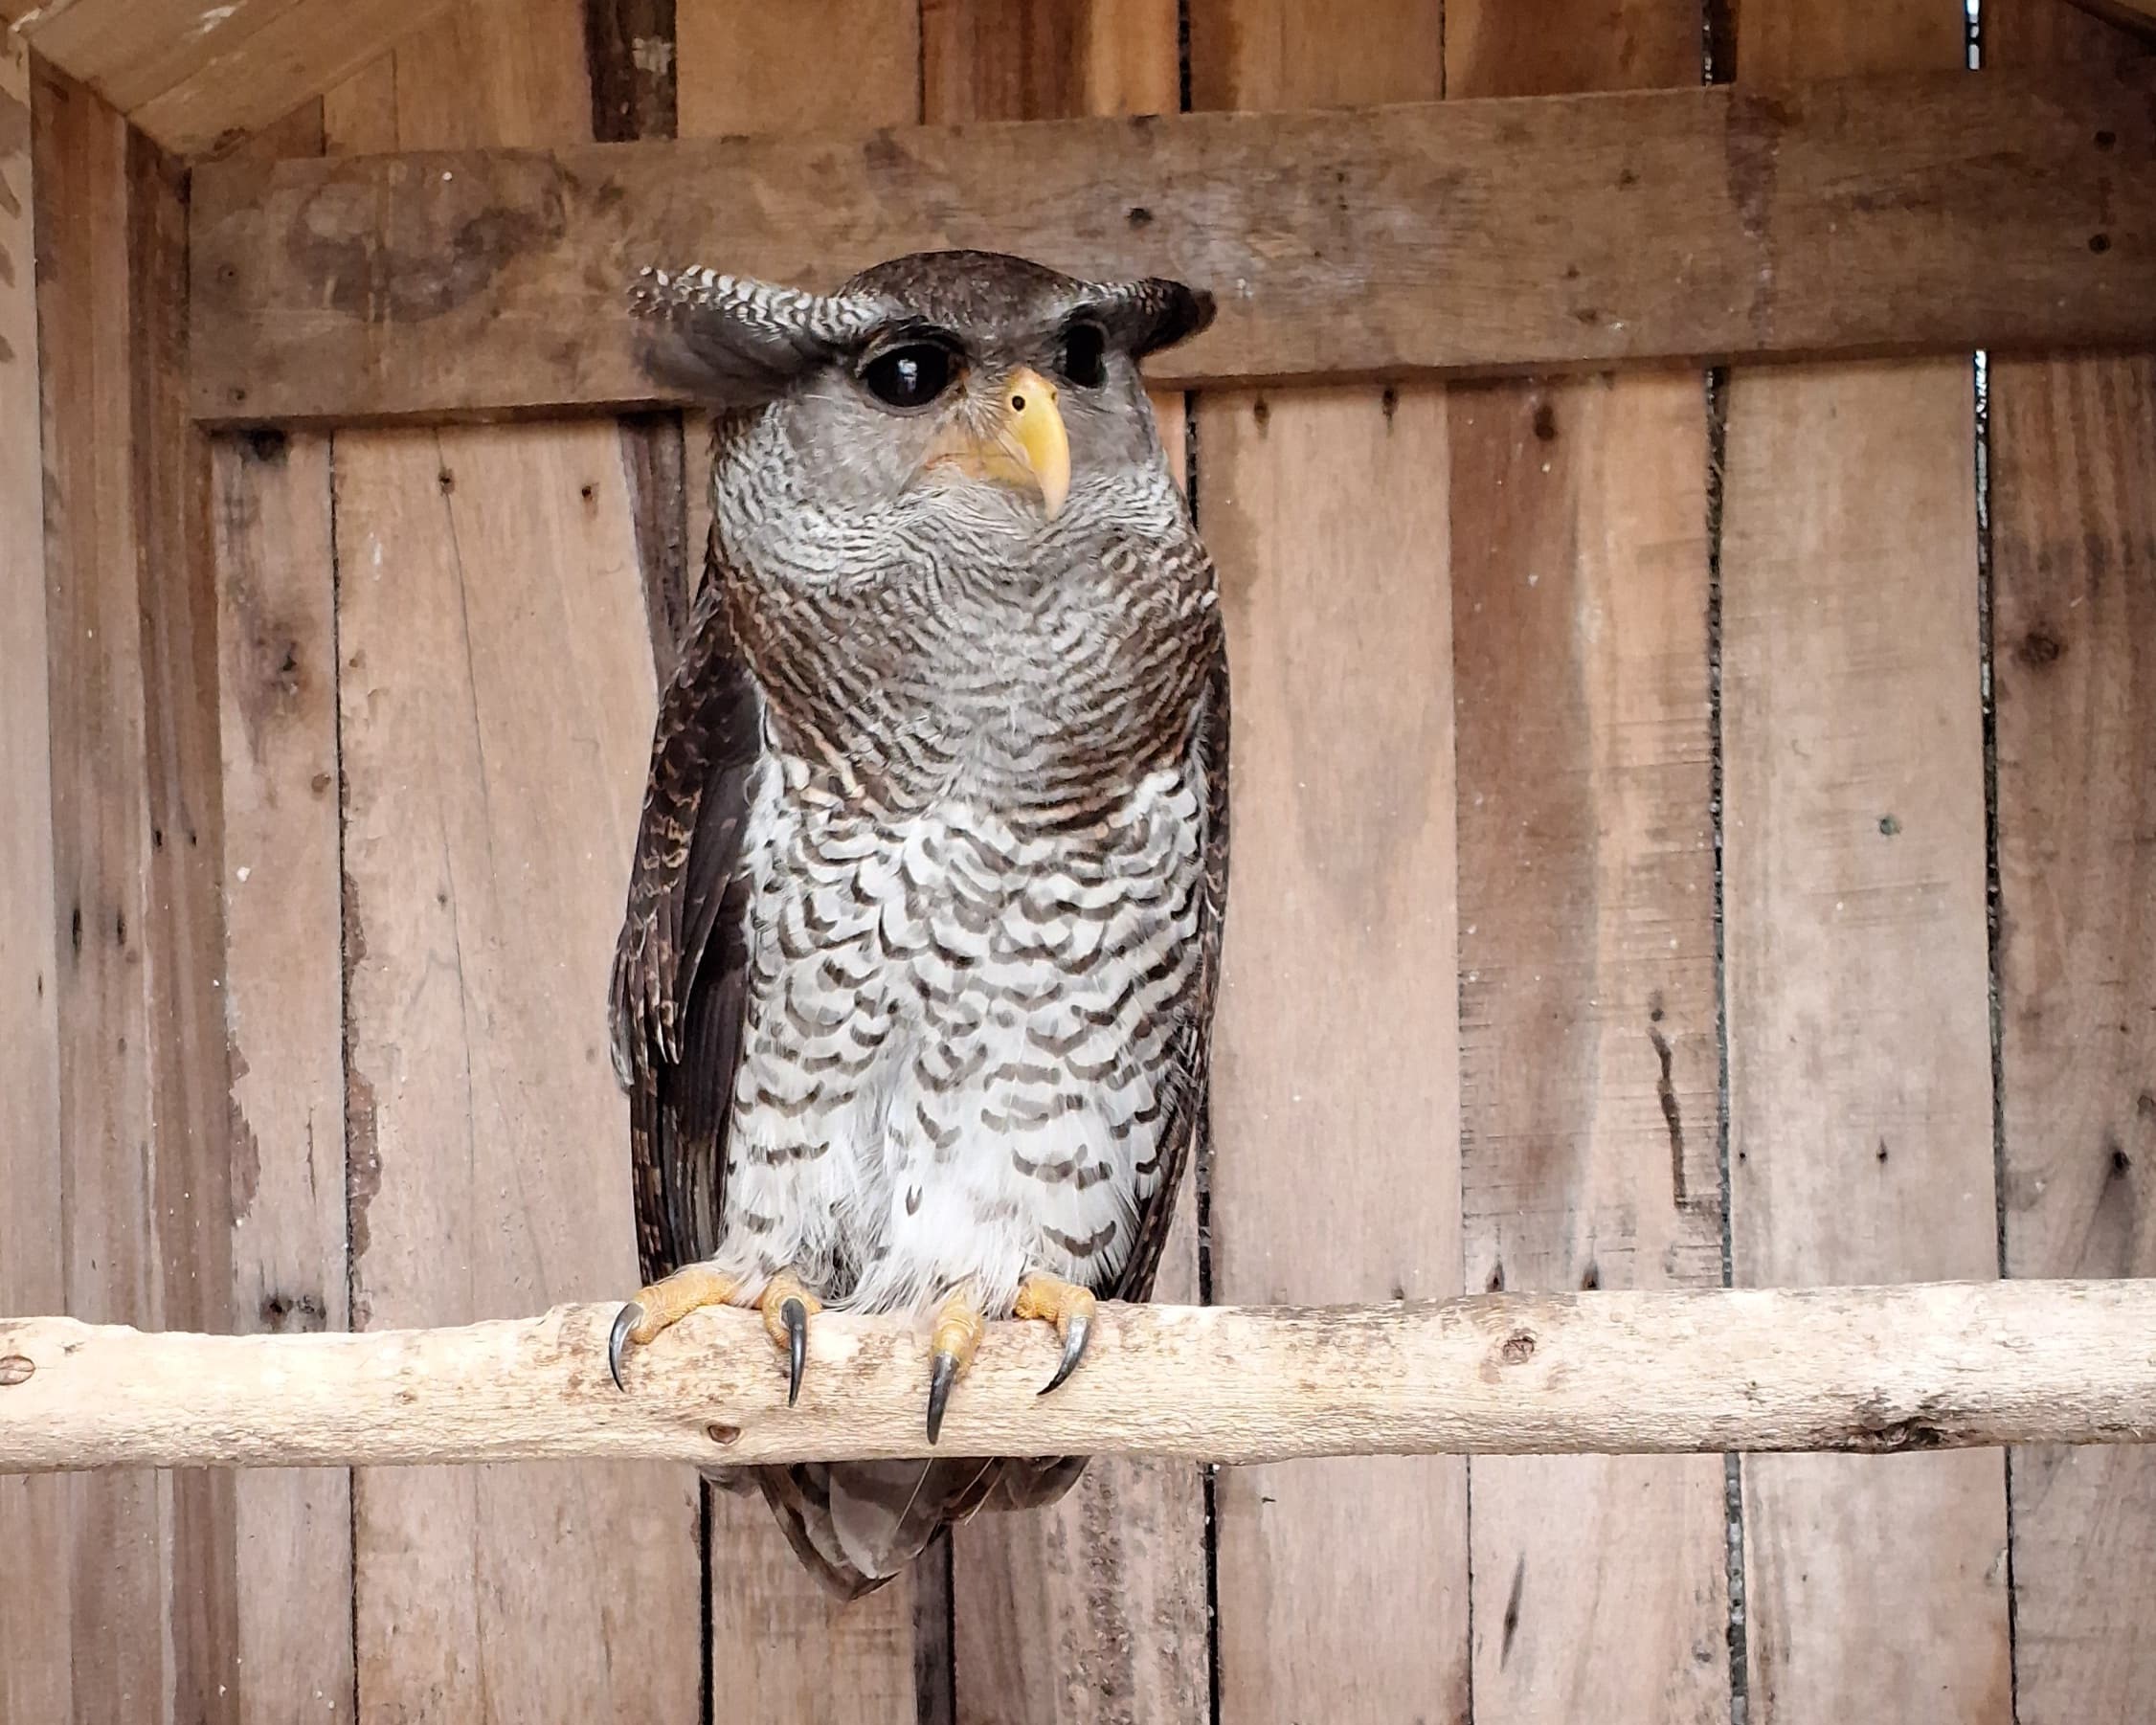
x=795 y=1317
x=942 y=1375
x=625 y=1320
x=1074 y=1351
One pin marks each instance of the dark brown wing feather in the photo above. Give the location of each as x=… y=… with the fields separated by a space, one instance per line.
x=1191 y=1120
x=681 y=966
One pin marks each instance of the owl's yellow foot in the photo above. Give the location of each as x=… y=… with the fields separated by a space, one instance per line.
x=958 y=1326
x=785 y=1304
x=1067 y=1306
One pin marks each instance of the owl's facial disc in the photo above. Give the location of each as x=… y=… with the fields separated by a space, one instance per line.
x=1024 y=444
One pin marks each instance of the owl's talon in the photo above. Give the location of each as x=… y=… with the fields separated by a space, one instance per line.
x=942 y=1375
x=626 y=1319
x=1074 y=1338
x=787 y=1307
x=1067 y=1306
x=662 y=1306
x=795 y=1316
x=956 y=1334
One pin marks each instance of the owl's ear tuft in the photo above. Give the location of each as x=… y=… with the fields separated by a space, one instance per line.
x=729 y=342
x=1145 y=316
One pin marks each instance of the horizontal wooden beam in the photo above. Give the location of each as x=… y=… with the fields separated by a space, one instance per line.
x=1921 y=1367
x=1927 y=212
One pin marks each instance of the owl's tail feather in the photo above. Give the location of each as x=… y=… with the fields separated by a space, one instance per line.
x=856 y=1525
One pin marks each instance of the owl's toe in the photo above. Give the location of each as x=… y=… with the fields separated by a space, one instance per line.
x=787 y=1307
x=1067 y=1306
x=662 y=1306
x=958 y=1328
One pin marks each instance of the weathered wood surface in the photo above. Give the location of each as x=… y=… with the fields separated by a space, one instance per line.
x=283 y=1003
x=138 y=1571
x=785 y=1650
x=198 y=76
x=2074 y=674
x=1589 y=1035
x=1342 y=1588
x=1914 y=213
x=34 y=1513
x=1859 y=1045
x=283 y=991
x=495 y=690
x=1916 y=1366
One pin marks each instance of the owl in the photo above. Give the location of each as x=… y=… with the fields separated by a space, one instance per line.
x=914 y=995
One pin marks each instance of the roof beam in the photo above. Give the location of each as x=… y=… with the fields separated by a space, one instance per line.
x=198 y=78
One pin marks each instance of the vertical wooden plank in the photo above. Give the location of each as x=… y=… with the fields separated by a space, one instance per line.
x=1343 y=1587
x=1590 y=1084
x=284 y=1010
x=1856 y=964
x=780 y=1650
x=283 y=1017
x=191 y=1075
x=495 y=690
x=1342 y=1584
x=2074 y=674
x=33 y=1513
x=1093 y=1610
x=113 y=1558
x=136 y=822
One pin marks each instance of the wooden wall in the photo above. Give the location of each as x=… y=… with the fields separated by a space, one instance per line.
x=1689 y=830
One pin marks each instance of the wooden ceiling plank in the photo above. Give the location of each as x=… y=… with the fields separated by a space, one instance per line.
x=200 y=77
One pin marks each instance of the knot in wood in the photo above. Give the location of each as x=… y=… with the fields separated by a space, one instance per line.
x=15 y=1368
x=722 y=1434
x=1518 y=1348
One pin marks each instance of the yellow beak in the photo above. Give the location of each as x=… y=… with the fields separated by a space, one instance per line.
x=1028 y=449
x=1035 y=425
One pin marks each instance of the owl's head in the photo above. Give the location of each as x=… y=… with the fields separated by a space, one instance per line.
x=946 y=379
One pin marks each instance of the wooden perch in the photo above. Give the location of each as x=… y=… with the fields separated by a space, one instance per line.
x=1870 y=1369
x=1919 y=213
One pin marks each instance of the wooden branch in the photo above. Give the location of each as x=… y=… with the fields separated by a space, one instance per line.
x=1929 y=1366
x=1920 y=213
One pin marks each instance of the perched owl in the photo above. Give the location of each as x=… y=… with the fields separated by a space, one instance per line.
x=914 y=996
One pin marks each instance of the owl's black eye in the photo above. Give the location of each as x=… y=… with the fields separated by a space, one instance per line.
x=1085 y=355
x=910 y=376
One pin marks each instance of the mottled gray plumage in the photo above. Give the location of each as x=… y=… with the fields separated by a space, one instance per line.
x=915 y=984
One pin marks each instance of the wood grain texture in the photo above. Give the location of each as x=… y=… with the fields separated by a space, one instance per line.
x=495 y=689
x=780 y=1650
x=1912 y=215
x=2074 y=674
x=2073 y=562
x=285 y=1013
x=1342 y=1587
x=1876 y=1369
x=34 y=1513
x=1858 y=982
x=198 y=76
x=1589 y=1035
x=1093 y=1610
x=145 y=1232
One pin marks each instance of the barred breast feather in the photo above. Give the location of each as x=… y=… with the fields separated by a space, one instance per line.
x=915 y=986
